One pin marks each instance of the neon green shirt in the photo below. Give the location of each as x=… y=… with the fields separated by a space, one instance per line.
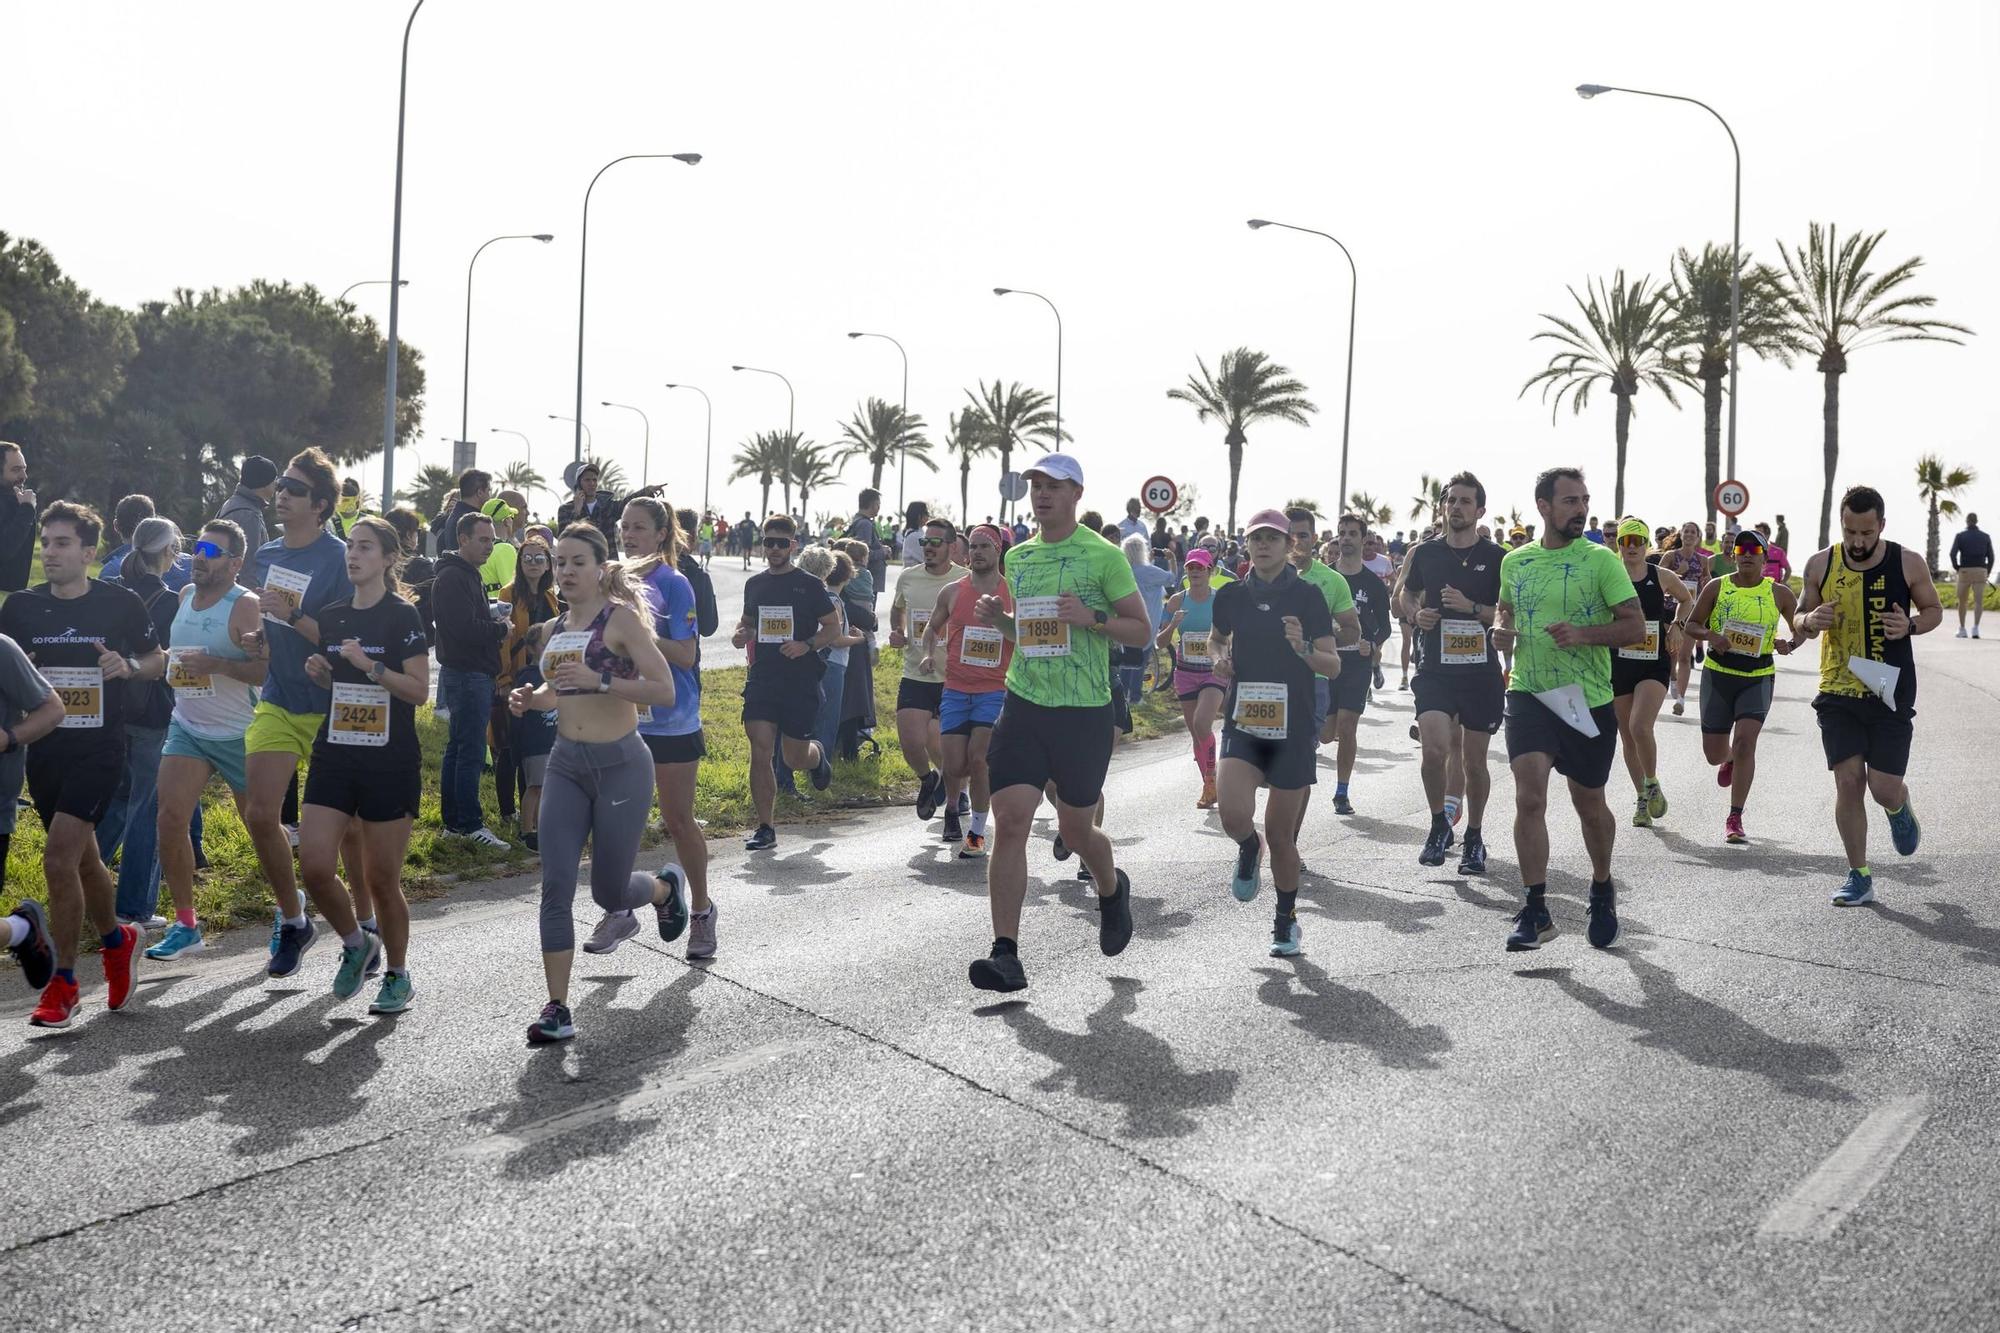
x=1059 y=665
x=1579 y=584
x=1332 y=585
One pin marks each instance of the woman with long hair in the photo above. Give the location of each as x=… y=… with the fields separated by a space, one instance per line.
x=521 y=744
x=601 y=667
x=835 y=570
x=1687 y=560
x=1186 y=621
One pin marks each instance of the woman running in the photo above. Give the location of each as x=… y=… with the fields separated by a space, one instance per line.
x=1686 y=560
x=601 y=667
x=1186 y=622
x=366 y=766
x=1640 y=671
x=1737 y=617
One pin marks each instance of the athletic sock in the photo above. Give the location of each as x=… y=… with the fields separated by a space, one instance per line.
x=1898 y=810
x=1450 y=808
x=1472 y=833
x=17 y=930
x=1004 y=947
x=355 y=940
x=369 y=923
x=1535 y=892
x=1288 y=904
x=1340 y=789
x=112 y=939
x=1736 y=810
x=296 y=922
x=1600 y=884
x=979 y=821
x=186 y=918
x=1864 y=870
x=1440 y=820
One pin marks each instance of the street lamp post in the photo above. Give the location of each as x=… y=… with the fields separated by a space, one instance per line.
x=1017 y=291
x=368 y=282
x=1589 y=90
x=588 y=443
x=527 y=445
x=583 y=271
x=1353 y=298
x=465 y=385
x=646 y=454
x=791 y=408
x=902 y=450
x=396 y=270
x=707 y=439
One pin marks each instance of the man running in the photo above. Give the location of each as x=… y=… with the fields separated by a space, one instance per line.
x=1565 y=603
x=1339 y=598
x=1641 y=672
x=921 y=692
x=1737 y=617
x=789 y=615
x=1867 y=596
x=976 y=658
x=1972 y=563
x=1451 y=593
x=1349 y=693
x=1074 y=596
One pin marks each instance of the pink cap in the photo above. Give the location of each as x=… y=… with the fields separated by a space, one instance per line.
x=1203 y=557
x=1268 y=518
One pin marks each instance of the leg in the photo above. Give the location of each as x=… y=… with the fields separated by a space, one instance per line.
x=566 y=810
x=1081 y=829
x=270 y=771
x=79 y=886
x=1743 y=753
x=801 y=754
x=321 y=831
x=1646 y=702
x=763 y=782
x=676 y=785
x=1007 y=869
x=182 y=778
x=617 y=823
x=979 y=780
x=1435 y=730
x=1236 y=786
x=138 y=891
x=1531 y=828
x=827 y=723
x=1472 y=744
x=1600 y=830
x=353 y=858
x=913 y=735
x=1627 y=746
x=1850 y=780
x=1346 y=731
x=1888 y=789
x=1279 y=819
x=957 y=760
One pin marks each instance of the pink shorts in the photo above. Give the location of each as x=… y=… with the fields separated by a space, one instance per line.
x=1187 y=684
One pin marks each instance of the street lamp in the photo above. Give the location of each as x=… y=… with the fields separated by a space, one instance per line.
x=902 y=450
x=792 y=402
x=368 y=282
x=527 y=445
x=396 y=270
x=645 y=458
x=1589 y=90
x=1353 y=297
x=707 y=438
x=583 y=270
x=585 y=430
x=1017 y=291
x=465 y=385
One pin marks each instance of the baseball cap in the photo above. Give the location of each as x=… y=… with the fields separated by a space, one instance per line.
x=1061 y=467
x=1748 y=538
x=1202 y=556
x=1634 y=527
x=258 y=471
x=1517 y=532
x=498 y=510
x=1268 y=518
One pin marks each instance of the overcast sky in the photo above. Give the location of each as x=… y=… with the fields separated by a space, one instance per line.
x=885 y=165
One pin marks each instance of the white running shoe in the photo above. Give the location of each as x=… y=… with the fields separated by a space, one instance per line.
x=486 y=837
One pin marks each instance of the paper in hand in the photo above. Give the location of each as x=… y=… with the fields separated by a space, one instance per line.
x=1568 y=703
x=1877 y=676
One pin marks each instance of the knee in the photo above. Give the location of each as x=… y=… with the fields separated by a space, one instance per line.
x=1849 y=786
x=681 y=825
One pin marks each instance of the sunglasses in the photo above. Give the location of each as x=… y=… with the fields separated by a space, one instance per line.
x=293 y=486
x=208 y=550
x=773 y=543
x=930 y=541
x=1632 y=541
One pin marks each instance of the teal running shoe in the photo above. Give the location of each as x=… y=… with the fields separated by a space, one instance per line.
x=1858 y=890
x=1249 y=861
x=277 y=929
x=1287 y=940
x=180 y=940
x=394 y=996
x=354 y=961
x=1904 y=830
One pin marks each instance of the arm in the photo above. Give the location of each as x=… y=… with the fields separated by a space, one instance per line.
x=826 y=637
x=897 y=639
x=1170 y=619
x=1925 y=612
x=37 y=722
x=1815 y=614
x=1704 y=607
x=1128 y=624
x=861 y=615
x=463 y=617
x=1628 y=625
x=1957 y=546
x=682 y=653
x=1788 y=607
x=243 y=619
x=940 y=614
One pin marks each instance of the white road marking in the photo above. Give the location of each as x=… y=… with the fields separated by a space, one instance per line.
x=656 y=1088
x=1837 y=1187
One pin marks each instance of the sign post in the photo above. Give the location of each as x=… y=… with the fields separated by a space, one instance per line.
x=1732 y=497
x=1159 y=494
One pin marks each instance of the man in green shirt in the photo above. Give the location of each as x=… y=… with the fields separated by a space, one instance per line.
x=1074 y=596
x=1333 y=586
x=1565 y=603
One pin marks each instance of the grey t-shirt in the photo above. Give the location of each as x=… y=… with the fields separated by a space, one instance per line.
x=22 y=690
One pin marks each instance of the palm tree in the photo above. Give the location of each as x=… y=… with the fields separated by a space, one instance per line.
x=521 y=477
x=1936 y=484
x=1428 y=503
x=1010 y=417
x=1700 y=300
x=428 y=488
x=1371 y=510
x=1303 y=502
x=812 y=466
x=761 y=456
x=1836 y=306
x=881 y=433
x=610 y=477
x=1629 y=346
x=1247 y=386
x=964 y=435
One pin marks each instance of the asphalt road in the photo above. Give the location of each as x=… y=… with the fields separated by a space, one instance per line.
x=1759 y=1112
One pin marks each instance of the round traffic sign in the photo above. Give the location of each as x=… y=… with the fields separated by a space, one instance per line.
x=1013 y=486
x=1732 y=498
x=1159 y=494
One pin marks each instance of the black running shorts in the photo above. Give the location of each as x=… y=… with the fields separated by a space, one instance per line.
x=1584 y=760
x=677 y=749
x=1727 y=699
x=1847 y=727
x=1033 y=746
x=1626 y=675
x=794 y=711
x=376 y=795
x=924 y=696
x=1476 y=699
x=1287 y=765
x=1350 y=687
x=79 y=781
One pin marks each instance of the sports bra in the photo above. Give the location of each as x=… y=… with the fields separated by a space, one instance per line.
x=590 y=643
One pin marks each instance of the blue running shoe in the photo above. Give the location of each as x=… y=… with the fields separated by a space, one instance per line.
x=354 y=961
x=1904 y=830
x=1287 y=939
x=277 y=929
x=1249 y=861
x=1602 y=931
x=375 y=963
x=1533 y=927
x=180 y=940
x=1859 y=889
x=293 y=941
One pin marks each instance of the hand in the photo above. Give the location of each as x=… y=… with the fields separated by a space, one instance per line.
x=518 y=699
x=319 y=671
x=1222 y=668
x=1896 y=623
x=794 y=648
x=1071 y=611
x=898 y=639
x=1565 y=634
x=350 y=653
x=575 y=678
x=253 y=643
x=1366 y=648
x=1783 y=647
x=1454 y=600
x=989 y=609
x=112 y=664
x=927 y=664
x=25 y=496
x=1429 y=617
x=1822 y=617
x=1503 y=639
x=1295 y=634
x=197 y=663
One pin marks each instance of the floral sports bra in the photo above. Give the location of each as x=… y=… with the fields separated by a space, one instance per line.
x=587 y=647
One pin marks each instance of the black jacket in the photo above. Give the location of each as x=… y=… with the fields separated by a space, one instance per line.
x=445 y=526
x=468 y=637
x=705 y=613
x=19 y=527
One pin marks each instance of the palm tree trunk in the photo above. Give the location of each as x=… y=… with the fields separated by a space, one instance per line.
x=875 y=477
x=1830 y=412
x=1711 y=434
x=1931 y=543
x=767 y=498
x=1235 y=475
x=1624 y=427
x=965 y=493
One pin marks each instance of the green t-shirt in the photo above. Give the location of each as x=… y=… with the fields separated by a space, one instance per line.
x=1332 y=585
x=1578 y=584
x=1058 y=665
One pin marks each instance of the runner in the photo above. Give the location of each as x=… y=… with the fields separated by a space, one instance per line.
x=976 y=658
x=1867 y=596
x=1074 y=596
x=1688 y=562
x=601 y=667
x=1187 y=621
x=1360 y=661
x=1339 y=598
x=1273 y=642
x=215 y=696
x=1565 y=603
x=790 y=616
x=1450 y=590
x=1737 y=617
x=920 y=693
x=85 y=636
x=1641 y=671
x=367 y=766
x=30 y=708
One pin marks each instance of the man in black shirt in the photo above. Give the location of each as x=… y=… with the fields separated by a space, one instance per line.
x=17 y=518
x=85 y=636
x=1972 y=560
x=1451 y=589
x=1350 y=687
x=789 y=616
x=475 y=488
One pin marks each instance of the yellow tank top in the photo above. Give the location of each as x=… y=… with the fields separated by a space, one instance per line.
x=1859 y=598
x=1748 y=619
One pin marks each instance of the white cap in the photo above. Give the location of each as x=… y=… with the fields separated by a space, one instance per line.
x=1059 y=466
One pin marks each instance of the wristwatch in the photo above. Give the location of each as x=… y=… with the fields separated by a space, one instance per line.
x=1102 y=618
x=604 y=683
x=377 y=670
x=132 y=667
x=292 y=614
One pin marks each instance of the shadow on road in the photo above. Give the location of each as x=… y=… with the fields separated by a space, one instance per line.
x=1787 y=863
x=1349 y=1016
x=1954 y=925
x=1400 y=913
x=788 y=874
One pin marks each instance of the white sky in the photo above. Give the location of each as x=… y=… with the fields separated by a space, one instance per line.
x=884 y=165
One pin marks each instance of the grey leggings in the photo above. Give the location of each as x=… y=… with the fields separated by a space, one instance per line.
x=603 y=792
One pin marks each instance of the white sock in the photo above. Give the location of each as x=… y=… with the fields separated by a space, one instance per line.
x=295 y=922
x=979 y=822
x=369 y=923
x=17 y=930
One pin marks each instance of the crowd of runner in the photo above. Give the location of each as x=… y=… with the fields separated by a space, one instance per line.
x=1023 y=648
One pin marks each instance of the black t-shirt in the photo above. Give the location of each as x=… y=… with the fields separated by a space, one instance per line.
x=784 y=606
x=1251 y=612
x=1371 y=605
x=391 y=632
x=63 y=637
x=1435 y=565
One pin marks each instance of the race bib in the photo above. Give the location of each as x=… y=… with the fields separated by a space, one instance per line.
x=284 y=592
x=563 y=648
x=1039 y=630
x=1261 y=708
x=359 y=715
x=187 y=685
x=1746 y=637
x=980 y=646
x=774 y=624
x=919 y=620
x=1461 y=642
x=1194 y=648
x=1647 y=649
x=81 y=690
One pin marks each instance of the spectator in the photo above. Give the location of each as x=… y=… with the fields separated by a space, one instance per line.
x=694 y=569
x=475 y=488
x=468 y=651
x=417 y=569
x=125 y=520
x=507 y=510
x=914 y=519
x=347 y=508
x=1131 y=525
x=865 y=529
x=592 y=506
x=1154 y=584
x=834 y=569
x=256 y=485
x=20 y=526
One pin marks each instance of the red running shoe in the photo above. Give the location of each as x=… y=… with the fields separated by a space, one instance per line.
x=1732 y=830
x=121 y=967
x=58 y=1004
x=1726 y=774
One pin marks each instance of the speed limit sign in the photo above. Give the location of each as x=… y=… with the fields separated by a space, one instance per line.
x=1159 y=494
x=1732 y=498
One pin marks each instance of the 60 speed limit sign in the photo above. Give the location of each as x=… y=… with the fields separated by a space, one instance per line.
x=1732 y=497
x=1159 y=494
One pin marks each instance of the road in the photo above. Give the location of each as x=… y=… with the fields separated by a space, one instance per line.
x=1759 y=1112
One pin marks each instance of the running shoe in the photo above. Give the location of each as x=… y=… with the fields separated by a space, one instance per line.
x=1061 y=849
x=1249 y=861
x=974 y=848
x=1286 y=938
x=1656 y=800
x=57 y=1005
x=151 y=921
x=964 y=803
x=180 y=940
x=1961 y=632
x=672 y=912
x=1904 y=830
x=553 y=1026
x=1001 y=972
x=929 y=793
x=953 y=831
x=277 y=928
x=394 y=996
x=1472 y=860
x=35 y=954
x=293 y=941
x=701 y=933
x=121 y=967
x=1114 y=918
x=1206 y=801
x=1975 y=631
x=822 y=776
x=1859 y=889
x=1602 y=932
x=1380 y=679
x=1642 y=815
x=612 y=931
x=1732 y=830
x=1341 y=805
x=1726 y=775
x=1435 y=844
x=1405 y=685
x=532 y=841
x=763 y=840
x=354 y=960
x=1533 y=927
x=374 y=968
x=485 y=837
x=292 y=835
x=1083 y=875
x=1680 y=706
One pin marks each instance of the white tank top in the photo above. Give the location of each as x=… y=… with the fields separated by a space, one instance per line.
x=215 y=706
